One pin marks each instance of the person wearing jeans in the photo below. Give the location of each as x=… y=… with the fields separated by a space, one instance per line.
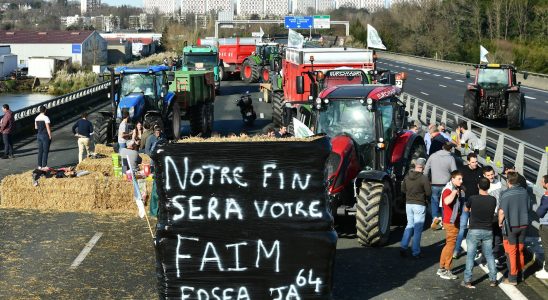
x=542 y=212
x=435 y=208
x=481 y=209
x=416 y=188
x=7 y=125
x=43 y=128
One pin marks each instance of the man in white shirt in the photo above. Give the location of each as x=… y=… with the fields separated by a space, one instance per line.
x=123 y=132
x=466 y=136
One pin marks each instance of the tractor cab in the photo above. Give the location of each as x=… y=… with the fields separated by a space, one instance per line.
x=141 y=89
x=266 y=51
x=495 y=76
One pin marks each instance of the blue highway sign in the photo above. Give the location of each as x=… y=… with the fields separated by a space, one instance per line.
x=299 y=22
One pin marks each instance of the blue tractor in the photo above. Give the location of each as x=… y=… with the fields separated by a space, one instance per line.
x=144 y=93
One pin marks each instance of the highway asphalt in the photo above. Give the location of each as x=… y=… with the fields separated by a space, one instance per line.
x=446 y=89
x=37 y=248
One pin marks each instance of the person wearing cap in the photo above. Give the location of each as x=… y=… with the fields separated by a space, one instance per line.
x=439 y=165
x=417 y=190
x=131 y=152
x=466 y=136
x=153 y=139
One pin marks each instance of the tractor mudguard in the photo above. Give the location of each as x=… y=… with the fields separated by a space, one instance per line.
x=135 y=101
x=256 y=59
x=373 y=175
x=403 y=146
x=168 y=99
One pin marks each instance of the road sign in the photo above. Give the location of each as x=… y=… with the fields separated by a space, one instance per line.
x=299 y=22
x=322 y=22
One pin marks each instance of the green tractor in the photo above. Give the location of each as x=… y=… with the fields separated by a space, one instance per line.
x=266 y=57
x=203 y=58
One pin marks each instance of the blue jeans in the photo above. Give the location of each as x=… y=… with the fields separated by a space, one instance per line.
x=8 y=144
x=415 y=222
x=485 y=237
x=43 y=149
x=435 y=201
x=462 y=231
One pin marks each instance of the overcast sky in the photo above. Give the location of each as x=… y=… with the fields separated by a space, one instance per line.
x=138 y=3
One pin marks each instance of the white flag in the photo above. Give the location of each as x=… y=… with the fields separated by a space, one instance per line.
x=295 y=40
x=300 y=129
x=483 y=54
x=373 y=38
x=261 y=31
x=137 y=192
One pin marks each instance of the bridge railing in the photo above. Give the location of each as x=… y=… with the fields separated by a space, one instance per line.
x=529 y=160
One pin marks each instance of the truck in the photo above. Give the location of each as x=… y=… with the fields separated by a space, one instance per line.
x=265 y=58
x=495 y=94
x=232 y=53
x=286 y=102
x=204 y=57
x=144 y=91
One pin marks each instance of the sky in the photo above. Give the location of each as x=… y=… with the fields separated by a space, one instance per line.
x=138 y=3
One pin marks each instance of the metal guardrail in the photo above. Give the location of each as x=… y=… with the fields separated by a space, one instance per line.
x=33 y=110
x=529 y=160
x=458 y=63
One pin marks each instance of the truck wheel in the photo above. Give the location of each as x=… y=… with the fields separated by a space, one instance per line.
x=470 y=108
x=250 y=71
x=516 y=110
x=373 y=214
x=221 y=72
x=103 y=128
x=210 y=118
x=277 y=108
x=175 y=121
x=196 y=119
x=265 y=75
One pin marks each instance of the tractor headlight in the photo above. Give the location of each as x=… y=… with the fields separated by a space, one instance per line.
x=318 y=100
x=119 y=112
x=326 y=101
x=369 y=101
x=318 y=106
x=131 y=111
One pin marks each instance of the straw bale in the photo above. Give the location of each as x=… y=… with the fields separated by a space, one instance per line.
x=245 y=139
x=99 y=165
x=103 y=149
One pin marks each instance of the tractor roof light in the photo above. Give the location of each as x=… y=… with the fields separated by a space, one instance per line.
x=380 y=145
x=369 y=107
x=362 y=101
x=149 y=71
x=320 y=76
x=369 y=101
x=318 y=106
x=319 y=100
x=326 y=101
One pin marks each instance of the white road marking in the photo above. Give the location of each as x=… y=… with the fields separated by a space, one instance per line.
x=458 y=80
x=455 y=104
x=419 y=71
x=443 y=85
x=532 y=98
x=546 y=102
x=510 y=290
x=410 y=69
x=418 y=78
x=446 y=77
x=80 y=258
x=260 y=99
x=404 y=68
x=261 y=115
x=424 y=93
x=437 y=75
x=427 y=73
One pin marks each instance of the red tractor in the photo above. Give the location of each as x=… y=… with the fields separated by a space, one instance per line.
x=371 y=153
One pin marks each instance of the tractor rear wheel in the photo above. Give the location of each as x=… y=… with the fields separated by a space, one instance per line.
x=210 y=112
x=373 y=214
x=516 y=110
x=103 y=124
x=277 y=108
x=175 y=121
x=470 y=108
x=250 y=71
x=197 y=119
x=265 y=75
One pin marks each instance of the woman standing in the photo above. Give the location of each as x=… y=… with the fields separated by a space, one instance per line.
x=42 y=126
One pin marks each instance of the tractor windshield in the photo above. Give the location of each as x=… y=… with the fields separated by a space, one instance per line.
x=347 y=116
x=200 y=61
x=137 y=83
x=493 y=77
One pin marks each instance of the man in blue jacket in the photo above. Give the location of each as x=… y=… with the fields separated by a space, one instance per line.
x=83 y=130
x=543 y=232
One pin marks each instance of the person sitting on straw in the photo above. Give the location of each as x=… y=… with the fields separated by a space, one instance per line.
x=132 y=152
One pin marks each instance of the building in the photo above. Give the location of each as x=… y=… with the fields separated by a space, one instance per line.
x=275 y=7
x=106 y=23
x=220 y=5
x=246 y=8
x=206 y=6
x=88 y=6
x=302 y=7
x=324 y=6
x=46 y=67
x=142 y=44
x=75 y=20
x=164 y=7
x=119 y=51
x=83 y=47
x=141 y=22
x=8 y=61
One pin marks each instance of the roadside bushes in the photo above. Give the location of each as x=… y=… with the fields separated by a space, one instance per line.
x=65 y=82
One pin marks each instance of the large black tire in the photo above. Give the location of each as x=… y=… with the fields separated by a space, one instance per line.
x=175 y=121
x=210 y=119
x=516 y=110
x=222 y=73
x=265 y=75
x=250 y=71
x=102 y=126
x=277 y=108
x=196 y=119
x=373 y=214
x=470 y=107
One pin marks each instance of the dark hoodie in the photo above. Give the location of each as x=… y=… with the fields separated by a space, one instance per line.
x=416 y=188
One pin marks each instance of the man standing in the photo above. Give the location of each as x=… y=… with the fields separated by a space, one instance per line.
x=123 y=131
x=42 y=124
x=7 y=125
x=452 y=196
x=514 y=220
x=494 y=190
x=83 y=130
x=543 y=231
x=416 y=188
x=471 y=174
x=481 y=208
x=440 y=165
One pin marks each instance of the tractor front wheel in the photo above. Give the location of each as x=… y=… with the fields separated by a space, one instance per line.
x=265 y=75
x=277 y=108
x=516 y=110
x=103 y=124
x=176 y=121
x=374 y=213
x=250 y=71
x=470 y=108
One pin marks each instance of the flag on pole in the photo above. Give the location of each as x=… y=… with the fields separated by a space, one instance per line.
x=295 y=40
x=137 y=192
x=373 y=38
x=300 y=129
x=483 y=54
x=261 y=31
